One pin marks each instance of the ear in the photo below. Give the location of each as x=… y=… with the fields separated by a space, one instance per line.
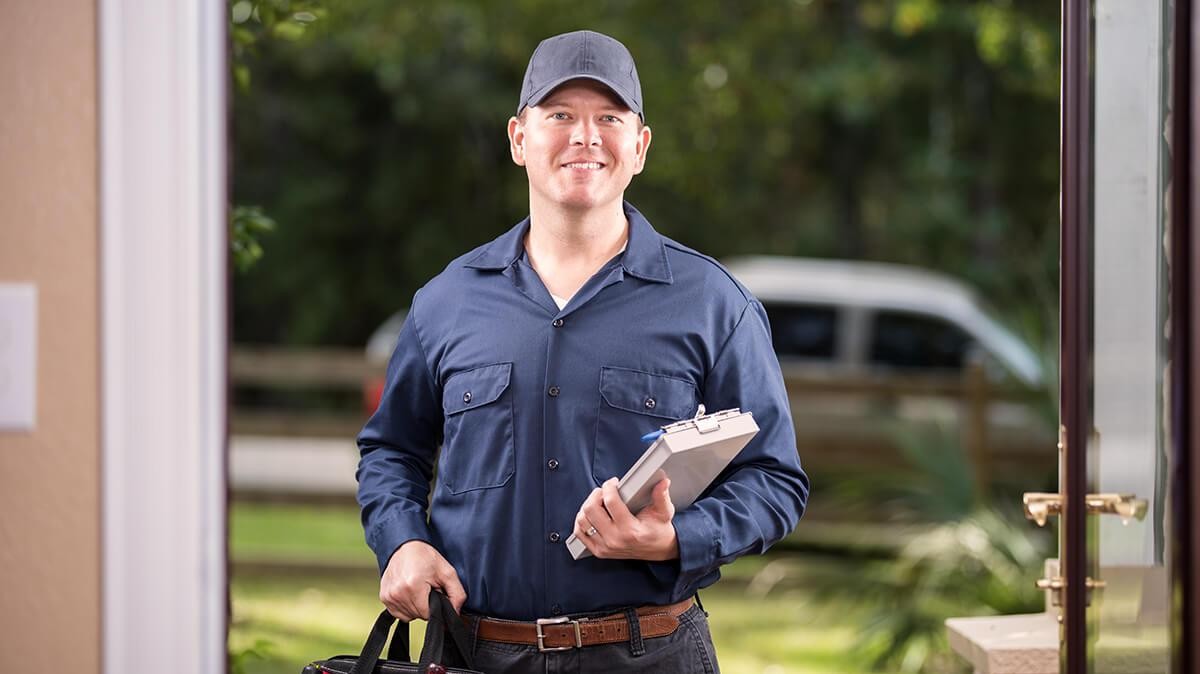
x=516 y=140
x=642 y=147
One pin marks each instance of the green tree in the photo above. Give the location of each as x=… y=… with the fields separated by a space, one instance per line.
x=250 y=24
x=913 y=131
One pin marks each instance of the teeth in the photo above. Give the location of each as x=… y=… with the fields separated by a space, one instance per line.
x=584 y=165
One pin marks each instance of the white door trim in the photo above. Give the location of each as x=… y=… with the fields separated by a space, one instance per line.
x=163 y=289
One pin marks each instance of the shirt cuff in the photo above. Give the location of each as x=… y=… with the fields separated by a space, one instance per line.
x=697 y=543
x=697 y=552
x=390 y=534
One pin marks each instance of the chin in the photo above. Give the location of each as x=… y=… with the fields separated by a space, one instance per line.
x=580 y=203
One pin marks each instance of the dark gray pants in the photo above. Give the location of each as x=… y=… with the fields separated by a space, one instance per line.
x=688 y=650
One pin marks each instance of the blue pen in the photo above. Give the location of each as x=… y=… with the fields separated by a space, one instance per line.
x=652 y=435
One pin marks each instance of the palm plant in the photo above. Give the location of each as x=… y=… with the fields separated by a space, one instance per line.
x=974 y=558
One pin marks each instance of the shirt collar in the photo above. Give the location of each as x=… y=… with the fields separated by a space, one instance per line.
x=645 y=253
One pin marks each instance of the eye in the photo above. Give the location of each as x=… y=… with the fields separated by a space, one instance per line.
x=559 y=115
x=611 y=118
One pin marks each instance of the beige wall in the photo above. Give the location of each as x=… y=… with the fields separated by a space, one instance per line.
x=49 y=503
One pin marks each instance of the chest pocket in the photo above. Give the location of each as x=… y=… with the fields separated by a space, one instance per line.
x=477 y=447
x=633 y=403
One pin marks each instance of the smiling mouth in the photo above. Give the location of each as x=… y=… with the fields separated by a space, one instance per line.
x=588 y=165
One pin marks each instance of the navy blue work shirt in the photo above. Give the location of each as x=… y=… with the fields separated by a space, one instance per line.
x=534 y=407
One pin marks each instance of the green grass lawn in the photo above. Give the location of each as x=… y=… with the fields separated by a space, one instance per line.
x=765 y=614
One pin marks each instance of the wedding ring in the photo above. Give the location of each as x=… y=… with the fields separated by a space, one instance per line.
x=590 y=532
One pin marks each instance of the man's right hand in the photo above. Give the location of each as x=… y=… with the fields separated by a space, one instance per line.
x=415 y=567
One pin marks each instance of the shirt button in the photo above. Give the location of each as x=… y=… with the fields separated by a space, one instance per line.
x=556 y=610
x=552 y=464
x=467 y=397
x=554 y=537
x=650 y=403
x=553 y=391
x=558 y=323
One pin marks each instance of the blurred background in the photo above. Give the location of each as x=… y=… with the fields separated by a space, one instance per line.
x=882 y=174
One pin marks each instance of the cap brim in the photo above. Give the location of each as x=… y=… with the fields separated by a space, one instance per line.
x=536 y=98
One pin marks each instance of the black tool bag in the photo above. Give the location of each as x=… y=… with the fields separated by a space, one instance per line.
x=442 y=621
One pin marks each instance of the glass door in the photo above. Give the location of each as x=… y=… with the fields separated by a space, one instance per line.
x=1115 y=579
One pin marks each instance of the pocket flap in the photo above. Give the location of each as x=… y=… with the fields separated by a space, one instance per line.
x=644 y=393
x=475 y=387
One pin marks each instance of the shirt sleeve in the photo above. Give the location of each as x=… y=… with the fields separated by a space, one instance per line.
x=397 y=447
x=759 y=498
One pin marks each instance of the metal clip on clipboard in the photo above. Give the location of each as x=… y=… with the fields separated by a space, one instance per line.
x=703 y=423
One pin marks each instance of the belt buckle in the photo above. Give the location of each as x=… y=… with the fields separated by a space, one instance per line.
x=561 y=620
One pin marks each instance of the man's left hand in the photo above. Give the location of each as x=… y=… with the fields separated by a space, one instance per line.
x=619 y=533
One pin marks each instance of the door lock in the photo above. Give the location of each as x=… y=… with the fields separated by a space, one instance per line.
x=1057 y=584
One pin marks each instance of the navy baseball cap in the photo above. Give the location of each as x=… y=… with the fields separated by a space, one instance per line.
x=586 y=54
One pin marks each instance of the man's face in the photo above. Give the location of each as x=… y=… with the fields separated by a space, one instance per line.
x=580 y=146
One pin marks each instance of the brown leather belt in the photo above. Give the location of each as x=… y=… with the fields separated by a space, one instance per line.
x=563 y=633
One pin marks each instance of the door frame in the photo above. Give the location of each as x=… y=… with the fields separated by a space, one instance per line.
x=1185 y=335
x=163 y=289
x=1075 y=325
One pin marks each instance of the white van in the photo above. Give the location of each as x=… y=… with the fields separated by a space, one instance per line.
x=903 y=335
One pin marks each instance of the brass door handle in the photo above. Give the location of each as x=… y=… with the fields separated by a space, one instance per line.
x=1039 y=506
x=1125 y=506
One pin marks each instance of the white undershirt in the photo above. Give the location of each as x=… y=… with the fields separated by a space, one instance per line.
x=563 y=302
x=559 y=301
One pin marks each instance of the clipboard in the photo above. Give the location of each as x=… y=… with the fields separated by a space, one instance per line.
x=692 y=452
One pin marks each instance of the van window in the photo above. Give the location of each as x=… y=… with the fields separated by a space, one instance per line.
x=803 y=330
x=909 y=340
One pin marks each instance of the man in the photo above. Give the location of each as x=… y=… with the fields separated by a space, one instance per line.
x=537 y=361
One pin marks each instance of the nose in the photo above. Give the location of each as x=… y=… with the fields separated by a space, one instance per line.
x=585 y=132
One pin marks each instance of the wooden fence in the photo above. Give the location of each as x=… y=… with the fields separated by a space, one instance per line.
x=346 y=371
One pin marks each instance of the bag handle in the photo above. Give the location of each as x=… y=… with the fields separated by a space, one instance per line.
x=399 y=647
x=369 y=657
x=442 y=619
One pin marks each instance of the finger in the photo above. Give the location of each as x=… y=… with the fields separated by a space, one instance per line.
x=609 y=535
x=420 y=603
x=593 y=543
x=453 y=588
x=593 y=506
x=615 y=506
x=391 y=607
x=582 y=524
x=398 y=605
x=597 y=516
x=389 y=597
x=661 y=498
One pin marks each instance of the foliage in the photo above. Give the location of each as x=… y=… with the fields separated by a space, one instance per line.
x=913 y=131
x=251 y=23
x=936 y=482
x=980 y=558
x=238 y=660
x=249 y=223
x=985 y=563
